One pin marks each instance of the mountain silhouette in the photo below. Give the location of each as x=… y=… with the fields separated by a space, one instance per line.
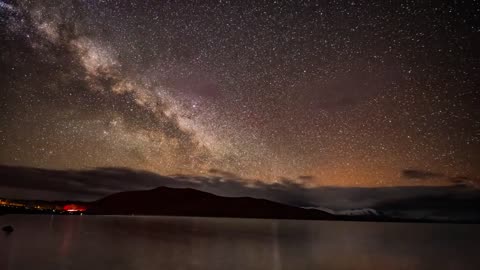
x=192 y=202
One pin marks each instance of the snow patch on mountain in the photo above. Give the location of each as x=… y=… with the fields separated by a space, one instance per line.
x=349 y=212
x=359 y=212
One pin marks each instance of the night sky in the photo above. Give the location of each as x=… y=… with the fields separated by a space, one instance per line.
x=327 y=93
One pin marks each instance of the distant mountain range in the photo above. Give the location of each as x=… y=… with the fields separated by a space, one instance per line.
x=191 y=202
x=193 y=195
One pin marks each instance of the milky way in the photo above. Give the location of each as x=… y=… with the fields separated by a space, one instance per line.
x=323 y=92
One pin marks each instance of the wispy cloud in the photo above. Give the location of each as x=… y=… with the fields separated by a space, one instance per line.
x=420 y=174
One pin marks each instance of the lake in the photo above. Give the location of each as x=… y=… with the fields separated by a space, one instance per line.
x=137 y=242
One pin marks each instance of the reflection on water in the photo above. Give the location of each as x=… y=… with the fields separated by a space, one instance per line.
x=98 y=242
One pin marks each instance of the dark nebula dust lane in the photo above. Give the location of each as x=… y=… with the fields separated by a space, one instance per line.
x=336 y=93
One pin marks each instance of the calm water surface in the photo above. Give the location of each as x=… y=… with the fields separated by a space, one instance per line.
x=115 y=242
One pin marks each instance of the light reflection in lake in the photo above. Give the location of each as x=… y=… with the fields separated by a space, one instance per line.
x=113 y=242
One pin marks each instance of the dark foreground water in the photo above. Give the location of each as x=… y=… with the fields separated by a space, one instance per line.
x=114 y=242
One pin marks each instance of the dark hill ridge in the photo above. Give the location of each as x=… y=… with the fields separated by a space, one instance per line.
x=191 y=202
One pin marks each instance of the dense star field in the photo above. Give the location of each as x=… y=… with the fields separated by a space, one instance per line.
x=343 y=93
